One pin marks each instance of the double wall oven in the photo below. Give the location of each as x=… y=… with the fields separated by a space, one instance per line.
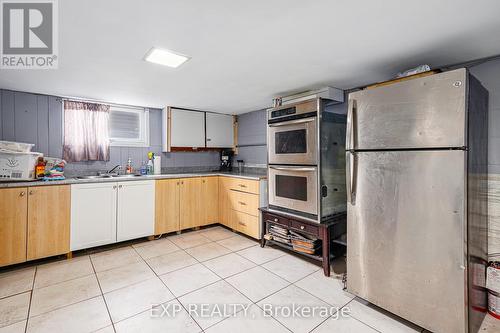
x=300 y=138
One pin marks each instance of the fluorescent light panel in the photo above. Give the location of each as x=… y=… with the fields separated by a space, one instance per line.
x=165 y=57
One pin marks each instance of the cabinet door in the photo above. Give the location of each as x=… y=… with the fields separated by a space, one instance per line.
x=209 y=199
x=93 y=215
x=136 y=211
x=190 y=203
x=167 y=206
x=220 y=130
x=13 y=214
x=187 y=128
x=48 y=221
x=225 y=211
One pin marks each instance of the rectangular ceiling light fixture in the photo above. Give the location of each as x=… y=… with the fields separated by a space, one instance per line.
x=165 y=57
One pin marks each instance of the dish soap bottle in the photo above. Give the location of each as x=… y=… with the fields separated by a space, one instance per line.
x=150 y=163
x=128 y=169
x=144 y=168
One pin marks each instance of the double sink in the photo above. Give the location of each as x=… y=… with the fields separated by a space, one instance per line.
x=108 y=176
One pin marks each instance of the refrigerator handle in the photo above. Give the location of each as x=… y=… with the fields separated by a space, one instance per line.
x=350 y=177
x=350 y=134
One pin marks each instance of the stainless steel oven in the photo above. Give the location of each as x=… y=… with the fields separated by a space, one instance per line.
x=292 y=135
x=294 y=188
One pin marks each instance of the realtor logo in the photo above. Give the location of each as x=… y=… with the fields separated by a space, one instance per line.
x=29 y=34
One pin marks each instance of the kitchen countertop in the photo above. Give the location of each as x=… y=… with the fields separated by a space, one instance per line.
x=68 y=181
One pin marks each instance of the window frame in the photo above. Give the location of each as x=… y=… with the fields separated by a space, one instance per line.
x=143 y=141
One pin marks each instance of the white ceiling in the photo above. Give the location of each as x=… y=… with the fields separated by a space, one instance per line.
x=245 y=52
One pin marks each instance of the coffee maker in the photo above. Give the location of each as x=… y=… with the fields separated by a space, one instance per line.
x=226 y=160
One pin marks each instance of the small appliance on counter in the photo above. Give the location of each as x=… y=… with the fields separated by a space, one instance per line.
x=17 y=161
x=226 y=160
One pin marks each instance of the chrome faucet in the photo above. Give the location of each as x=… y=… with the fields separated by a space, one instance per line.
x=118 y=166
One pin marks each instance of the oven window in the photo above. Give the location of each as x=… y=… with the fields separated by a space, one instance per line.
x=291 y=187
x=290 y=142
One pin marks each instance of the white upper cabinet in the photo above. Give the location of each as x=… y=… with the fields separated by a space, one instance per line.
x=187 y=128
x=220 y=130
x=196 y=129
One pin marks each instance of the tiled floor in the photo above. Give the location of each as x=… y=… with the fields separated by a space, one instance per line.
x=114 y=290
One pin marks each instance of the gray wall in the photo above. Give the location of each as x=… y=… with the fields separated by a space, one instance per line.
x=252 y=139
x=37 y=119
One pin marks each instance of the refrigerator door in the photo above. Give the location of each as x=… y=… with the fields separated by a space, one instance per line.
x=426 y=112
x=406 y=234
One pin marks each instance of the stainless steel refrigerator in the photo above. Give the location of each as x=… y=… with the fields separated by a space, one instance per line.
x=416 y=164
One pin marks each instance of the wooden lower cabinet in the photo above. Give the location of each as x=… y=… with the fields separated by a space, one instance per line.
x=247 y=224
x=225 y=210
x=49 y=209
x=167 y=206
x=13 y=219
x=209 y=200
x=190 y=202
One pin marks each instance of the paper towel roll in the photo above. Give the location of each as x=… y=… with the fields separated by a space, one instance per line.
x=157 y=165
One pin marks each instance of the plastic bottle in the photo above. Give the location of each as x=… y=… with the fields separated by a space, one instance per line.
x=150 y=163
x=128 y=170
x=144 y=168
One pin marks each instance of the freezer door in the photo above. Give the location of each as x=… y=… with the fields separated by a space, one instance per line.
x=405 y=234
x=427 y=112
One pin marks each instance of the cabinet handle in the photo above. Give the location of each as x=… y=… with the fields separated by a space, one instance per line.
x=242 y=203
x=275 y=220
x=242 y=185
x=114 y=187
x=302 y=227
x=22 y=194
x=120 y=186
x=178 y=183
x=182 y=183
x=31 y=192
x=203 y=181
x=243 y=224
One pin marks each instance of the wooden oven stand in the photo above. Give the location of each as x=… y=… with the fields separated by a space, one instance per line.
x=326 y=232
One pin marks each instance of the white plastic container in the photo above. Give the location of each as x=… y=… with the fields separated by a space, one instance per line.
x=18 y=166
x=16 y=146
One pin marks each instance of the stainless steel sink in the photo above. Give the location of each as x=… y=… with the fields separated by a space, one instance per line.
x=126 y=176
x=93 y=177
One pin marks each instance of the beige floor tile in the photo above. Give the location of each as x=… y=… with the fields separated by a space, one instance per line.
x=14 y=309
x=181 y=322
x=156 y=248
x=62 y=294
x=108 y=329
x=379 y=319
x=217 y=295
x=190 y=239
x=18 y=327
x=257 y=283
x=104 y=261
x=61 y=271
x=16 y=282
x=188 y=279
x=250 y=321
x=294 y=296
x=228 y=264
x=207 y=251
x=291 y=268
x=129 y=301
x=342 y=324
x=171 y=262
x=87 y=316
x=217 y=233
x=328 y=289
x=124 y=276
x=261 y=255
x=237 y=243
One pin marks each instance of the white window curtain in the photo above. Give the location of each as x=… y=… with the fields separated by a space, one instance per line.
x=86 y=132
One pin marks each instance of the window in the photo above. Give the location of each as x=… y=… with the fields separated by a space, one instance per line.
x=128 y=126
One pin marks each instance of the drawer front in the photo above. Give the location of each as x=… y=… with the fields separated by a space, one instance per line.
x=245 y=185
x=276 y=219
x=247 y=224
x=310 y=229
x=244 y=202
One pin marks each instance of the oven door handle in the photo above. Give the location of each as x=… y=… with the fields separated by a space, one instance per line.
x=292 y=168
x=292 y=122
